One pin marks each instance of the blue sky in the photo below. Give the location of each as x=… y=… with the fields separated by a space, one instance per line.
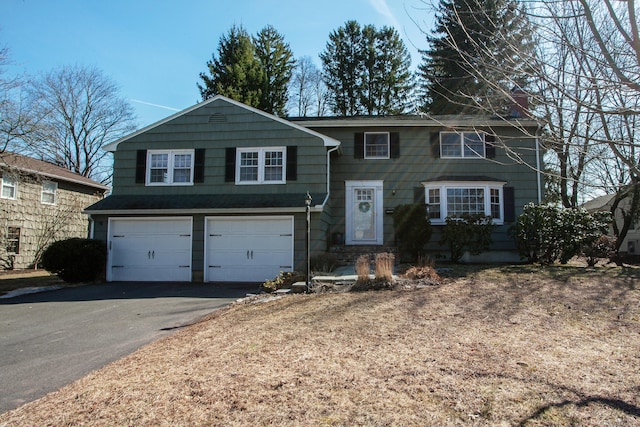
x=155 y=49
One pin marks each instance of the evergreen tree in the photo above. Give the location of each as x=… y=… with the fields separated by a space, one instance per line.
x=393 y=80
x=277 y=63
x=236 y=72
x=498 y=29
x=341 y=61
x=366 y=70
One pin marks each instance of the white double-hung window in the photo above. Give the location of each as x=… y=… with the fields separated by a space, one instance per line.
x=9 y=187
x=49 y=190
x=456 y=199
x=462 y=145
x=170 y=167
x=261 y=165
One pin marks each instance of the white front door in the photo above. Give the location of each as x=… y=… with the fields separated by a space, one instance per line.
x=248 y=249
x=364 y=213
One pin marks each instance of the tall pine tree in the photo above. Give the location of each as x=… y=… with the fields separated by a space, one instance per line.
x=366 y=70
x=472 y=37
x=277 y=63
x=236 y=72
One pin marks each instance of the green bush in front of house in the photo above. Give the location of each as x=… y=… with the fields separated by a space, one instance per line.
x=547 y=233
x=76 y=259
x=467 y=233
x=412 y=229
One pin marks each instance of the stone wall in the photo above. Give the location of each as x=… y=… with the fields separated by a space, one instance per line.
x=41 y=224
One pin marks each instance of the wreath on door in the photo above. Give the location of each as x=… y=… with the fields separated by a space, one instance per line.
x=364 y=207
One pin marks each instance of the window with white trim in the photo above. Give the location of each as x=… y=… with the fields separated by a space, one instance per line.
x=261 y=165
x=376 y=145
x=462 y=145
x=49 y=189
x=9 y=187
x=170 y=167
x=456 y=199
x=13 y=240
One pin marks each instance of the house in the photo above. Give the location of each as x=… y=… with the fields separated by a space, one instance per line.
x=39 y=204
x=217 y=192
x=631 y=242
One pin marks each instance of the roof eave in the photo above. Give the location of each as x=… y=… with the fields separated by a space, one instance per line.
x=328 y=141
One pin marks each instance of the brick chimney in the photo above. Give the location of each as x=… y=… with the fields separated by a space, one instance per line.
x=520 y=105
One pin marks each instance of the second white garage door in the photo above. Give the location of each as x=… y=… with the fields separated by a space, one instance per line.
x=248 y=249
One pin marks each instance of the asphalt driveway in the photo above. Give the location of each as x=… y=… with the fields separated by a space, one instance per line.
x=50 y=339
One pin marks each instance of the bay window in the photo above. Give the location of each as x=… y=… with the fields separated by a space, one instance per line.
x=455 y=199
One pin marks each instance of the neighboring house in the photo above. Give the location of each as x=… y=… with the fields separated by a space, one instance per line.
x=39 y=204
x=631 y=242
x=217 y=192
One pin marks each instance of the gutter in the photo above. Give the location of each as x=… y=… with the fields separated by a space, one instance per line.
x=538 y=165
x=326 y=199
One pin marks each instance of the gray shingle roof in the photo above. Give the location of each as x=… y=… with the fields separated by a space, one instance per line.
x=202 y=202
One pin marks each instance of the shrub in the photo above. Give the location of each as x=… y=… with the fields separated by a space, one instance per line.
x=325 y=262
x=283 y=280
x=76 y=259
x=470 y=232
x=547 y=233
x=603 y=247
x=412 y=229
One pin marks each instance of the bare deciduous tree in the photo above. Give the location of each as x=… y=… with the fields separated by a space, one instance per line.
x=15 y=122
x=78 y=110
x=308 y=91
x=585 y=84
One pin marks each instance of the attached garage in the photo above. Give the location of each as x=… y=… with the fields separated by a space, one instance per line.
x=247 y=248
x=149 y=249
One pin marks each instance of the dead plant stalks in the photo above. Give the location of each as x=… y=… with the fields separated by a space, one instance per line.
x=384 y=266
x=363 y=268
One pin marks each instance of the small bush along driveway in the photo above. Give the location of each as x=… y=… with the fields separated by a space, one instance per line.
x=497 y=346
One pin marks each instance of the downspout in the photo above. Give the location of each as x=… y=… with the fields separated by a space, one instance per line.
x=538 y=165
x=326 y=199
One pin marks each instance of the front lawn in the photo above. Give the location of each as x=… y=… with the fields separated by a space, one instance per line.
x=517 y=345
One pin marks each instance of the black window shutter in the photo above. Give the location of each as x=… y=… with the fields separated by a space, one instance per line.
x=509 y=204
x=141 y=166
x=230 y=165
x=358 y=145
x=435 y=144
x=198 y=165
x=292 y=163
x=418 y=195
x=489 y=147
x=394 y=145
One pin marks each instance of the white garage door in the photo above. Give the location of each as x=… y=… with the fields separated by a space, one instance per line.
x=248 y=249
x=149 y=249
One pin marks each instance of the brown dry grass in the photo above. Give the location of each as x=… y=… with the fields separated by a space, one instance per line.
x=497 y=346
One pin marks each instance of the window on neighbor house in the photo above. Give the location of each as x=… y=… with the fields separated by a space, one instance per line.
x=462 y=145
x=13 y=240
x=376 y=145
x=455 y=199
x=170 y=167
x=49 y=189
x=261 y=165
x=9 y=187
